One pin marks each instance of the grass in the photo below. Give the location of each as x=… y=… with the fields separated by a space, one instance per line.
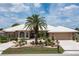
x=32 y=50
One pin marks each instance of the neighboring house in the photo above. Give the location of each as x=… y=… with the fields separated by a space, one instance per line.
x=59 y=32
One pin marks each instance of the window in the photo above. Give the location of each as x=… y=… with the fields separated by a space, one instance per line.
x=26 y=34
x=21 y=34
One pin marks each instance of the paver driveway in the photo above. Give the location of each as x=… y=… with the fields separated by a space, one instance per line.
x=70 y=46
x=5 y=46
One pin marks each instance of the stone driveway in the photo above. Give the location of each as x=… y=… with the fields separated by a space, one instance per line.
x=70 y=46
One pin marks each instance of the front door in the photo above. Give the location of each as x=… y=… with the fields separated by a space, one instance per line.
x=32 y=35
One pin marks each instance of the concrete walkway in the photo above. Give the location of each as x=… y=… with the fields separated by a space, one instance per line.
x=70 y=46
x=5 y=46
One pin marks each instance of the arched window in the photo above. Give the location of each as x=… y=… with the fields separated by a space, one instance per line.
x=21 y=34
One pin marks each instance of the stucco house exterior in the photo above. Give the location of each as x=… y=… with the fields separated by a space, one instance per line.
x=59 y=32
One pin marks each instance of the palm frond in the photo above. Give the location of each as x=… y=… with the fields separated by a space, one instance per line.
x=36 y=21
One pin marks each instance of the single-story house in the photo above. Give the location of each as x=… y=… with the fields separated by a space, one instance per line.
x=58 y=32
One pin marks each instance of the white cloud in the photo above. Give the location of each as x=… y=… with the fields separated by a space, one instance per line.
x=37 y=5
x=42 y=12
x=2 y=21
x=20 y=20
x=16 y=7
x=71 y=7
x=70 y=12
x=68 y=20
x=19 y=8
x=2 y=9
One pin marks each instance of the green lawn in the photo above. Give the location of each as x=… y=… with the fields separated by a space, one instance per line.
x=32 y=50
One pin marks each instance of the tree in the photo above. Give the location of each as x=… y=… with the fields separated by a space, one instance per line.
x=15 y=24
x=1 y=29
x=77 y=29
x=36 y=22
x=76 y=36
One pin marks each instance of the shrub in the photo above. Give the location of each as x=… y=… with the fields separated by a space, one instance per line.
x=3 y=39
x=76 y=37
x=77 y=40
x=49 y=41
x=32 y=42
x=15 y=39
x=40 y=42
x=22 y=42
x=52 y=44
x=45 y=43
x=25 y=42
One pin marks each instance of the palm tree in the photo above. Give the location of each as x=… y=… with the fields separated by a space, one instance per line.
x=36 y=22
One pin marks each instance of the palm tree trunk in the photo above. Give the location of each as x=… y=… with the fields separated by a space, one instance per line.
x=36 y=34
x=58 y=46
x=36 y=38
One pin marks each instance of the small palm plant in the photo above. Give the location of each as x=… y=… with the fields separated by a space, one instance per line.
x=43 y=35
x=36 y=22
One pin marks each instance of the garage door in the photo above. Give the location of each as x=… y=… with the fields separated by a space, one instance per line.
x=63 y=36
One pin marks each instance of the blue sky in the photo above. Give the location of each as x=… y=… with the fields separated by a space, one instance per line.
x=56 y=14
